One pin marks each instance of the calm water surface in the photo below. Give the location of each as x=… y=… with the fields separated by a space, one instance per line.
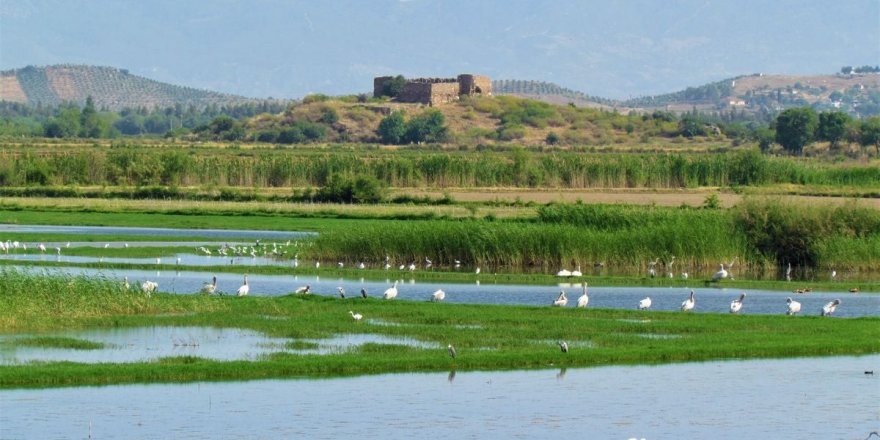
x=806 y=398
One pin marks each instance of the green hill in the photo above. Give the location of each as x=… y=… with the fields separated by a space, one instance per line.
x=110 y=87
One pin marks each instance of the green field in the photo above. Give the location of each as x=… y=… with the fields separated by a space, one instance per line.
x=485 y=336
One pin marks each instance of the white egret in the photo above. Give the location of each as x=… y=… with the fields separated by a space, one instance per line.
x=561 y=300
x=788 y=273
x=457 y=264
x=684 y=275
x=563 y=346
x=211 y=287
x=303 y=290
x=689 y=303
x=794 y=307
x=584 y=299
x=829 y=308
x=439 y=295
x=451 y=350
x=477 y=271
x=391 y=292
x=645 y=303
x=412 y=267
x=317 y=264
x=563 y=273
x=577 y=272
x=721 y=274
x=361 y=265
x=356 y=316
x=244 y=289
x=42 y=248
x=125 y=284
x=833 y=275
x=341 y=292
x=737 y=304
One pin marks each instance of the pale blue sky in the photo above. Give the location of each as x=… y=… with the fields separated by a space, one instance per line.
x=286 y=49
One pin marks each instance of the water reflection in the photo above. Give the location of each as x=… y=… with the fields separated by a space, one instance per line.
x=779 y=399
x=138 y=344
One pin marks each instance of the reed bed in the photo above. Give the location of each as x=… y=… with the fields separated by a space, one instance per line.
x=132 y=166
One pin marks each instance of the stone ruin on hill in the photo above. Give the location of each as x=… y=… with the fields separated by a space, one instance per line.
x=435 y=91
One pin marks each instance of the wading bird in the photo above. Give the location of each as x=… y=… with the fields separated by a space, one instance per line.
x=737 y=304
x=391 y=292
x=563 y=273
x=211 y=287
x=149 y=287
x=125 y=284
x=451 y=350
x=645 y=303
x=561 y=300
x=794 y=307
x=563 y=346
x=439 y=295
x=788 y=273
x=584 y=299
x=364 y=293
x=689 y=303
x=244 y=289
x=721 y=274
x=341 y=292
x=829 y=308
x=577 y=272
x=356 y=316
x=303 y=289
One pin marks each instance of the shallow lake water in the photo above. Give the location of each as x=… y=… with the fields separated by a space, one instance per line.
x=708 y=299
x=804 y=398
x=137 y=344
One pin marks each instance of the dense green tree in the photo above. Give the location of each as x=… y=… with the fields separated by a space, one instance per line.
x=691 y=125
x=131 y=124
x=394 y=87
x=90 y=123
x=869 y=132
x=392 y=128
x=427 y=127
x=65 y=125
x=795 y=128
x=832 y=127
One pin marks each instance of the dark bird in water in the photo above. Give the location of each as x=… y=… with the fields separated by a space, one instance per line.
x=341 y=292
x=563 y=346
x=363 y=292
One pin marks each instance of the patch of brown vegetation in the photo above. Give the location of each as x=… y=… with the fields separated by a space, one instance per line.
x=63 y=84
x=10 y=89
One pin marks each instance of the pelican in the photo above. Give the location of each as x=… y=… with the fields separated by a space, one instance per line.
x=391 y=292
x=720 y=275
x=451 y=350
x=563 y=346
x=303 y=290
x=561 y=300
x=584 y=299
x=737 y=304
x=209 y=288
x=341 y=292
x=563 y=273
x=439 y=295
x=794 y=307
x=149 y=287
x=829 y=308
x=645 y=304
x=356 y=316
x=244 y=289
x=364 y=293
x=689 y=303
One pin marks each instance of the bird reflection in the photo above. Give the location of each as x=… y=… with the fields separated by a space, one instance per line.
x=451 y=376
x=561 y=374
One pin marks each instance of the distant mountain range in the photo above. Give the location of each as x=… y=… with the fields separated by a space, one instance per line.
x=115 y=89
x=109 y=87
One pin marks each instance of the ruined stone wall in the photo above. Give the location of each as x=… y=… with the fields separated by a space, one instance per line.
x=475 y=85
x=435 y=91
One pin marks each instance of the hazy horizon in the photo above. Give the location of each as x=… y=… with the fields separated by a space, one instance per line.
x=616 y=49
